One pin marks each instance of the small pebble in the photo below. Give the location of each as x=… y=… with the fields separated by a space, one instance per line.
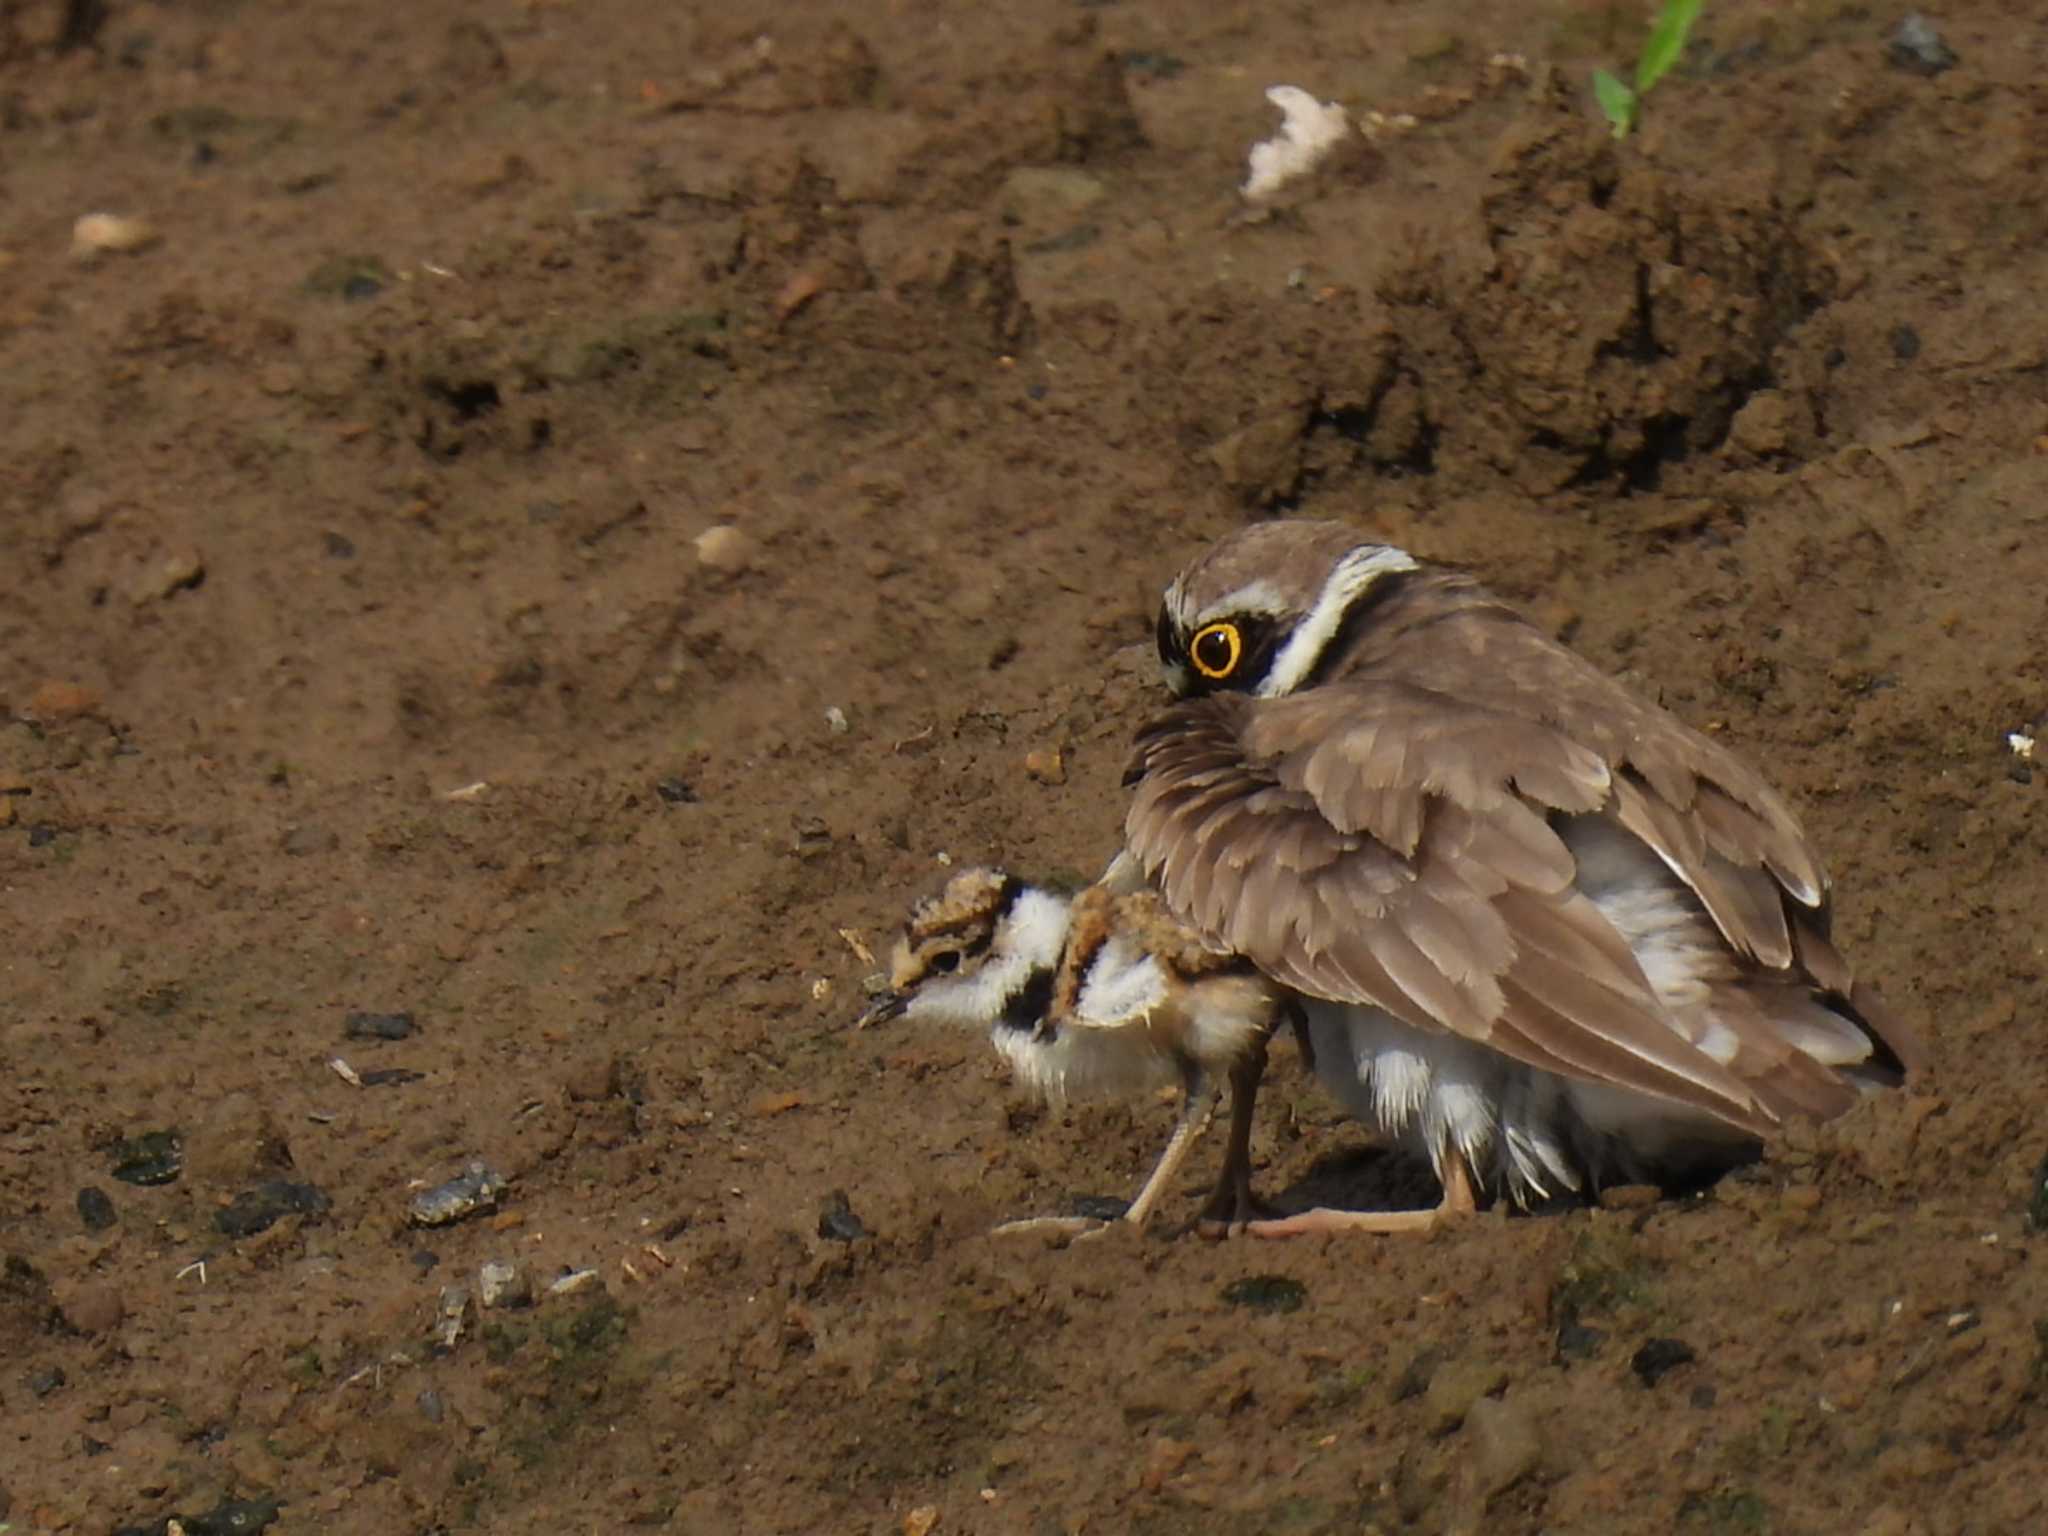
x=502 y=1283
x=56 y=700
x=1905 y=343
x=724 y=548
x=155 y=1157
x=475 y=1189
x=337 y=546
x=41 y=835
x=98 y=234
x=1658 y=1358
x=1266 y=1293
x=1456 y=1386
x=166 y=577
x=378 y=1026
x=234 y=1517
x=1575 y=1341
x=1048 y=765
x=675 y=791
x=45 y=1381
x=259 y=1209
x=836 y=1220
x=2037 y=1206
x=573 y=1281
x=1095 y=1207
x=1917 y=46
x=835 y=721
x=430 y=1406
x=95 y=1309
x=452 y=1316
x=95 y=1209
x=389 y=1077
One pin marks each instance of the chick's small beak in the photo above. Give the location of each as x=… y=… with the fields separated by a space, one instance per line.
x=886 y=1006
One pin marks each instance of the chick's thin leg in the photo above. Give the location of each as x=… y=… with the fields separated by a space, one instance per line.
x=1198 y=1104
x=1232 y=1206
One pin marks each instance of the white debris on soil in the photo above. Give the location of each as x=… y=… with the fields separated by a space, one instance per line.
x=724 y=548
x=98 y=233
x=2021 y=745
x=1309 y=130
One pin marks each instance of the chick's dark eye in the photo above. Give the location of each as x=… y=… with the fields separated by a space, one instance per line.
x=946 y=960
x=1216 y=650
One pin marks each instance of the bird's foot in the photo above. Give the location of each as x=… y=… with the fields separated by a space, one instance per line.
x=1460 y=1201
x=1324 y=1220
x=1232 y=1212
x=1054 y=1226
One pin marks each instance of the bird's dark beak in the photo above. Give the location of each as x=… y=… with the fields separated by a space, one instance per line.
x=886 y=1006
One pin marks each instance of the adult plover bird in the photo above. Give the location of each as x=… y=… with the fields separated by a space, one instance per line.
x=1538 y=926
x=1100 y=993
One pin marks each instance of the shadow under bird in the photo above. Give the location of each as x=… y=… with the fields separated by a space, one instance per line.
x=1538 y=927
x=1099 y=993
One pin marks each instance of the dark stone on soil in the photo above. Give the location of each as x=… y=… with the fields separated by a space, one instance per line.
x=1155 y=66
x=1575 y=1341
x=359 y=286
x=1096 y=1207
x=424 y=1259
x=95 y=1209
x=378 y=1026
x=338 y=547
x=1415 y=1377
x=1915 y=45
x=82 y=22
x=1266 y=1293
x=2037 y=1208
x=41 y=835
x=1659 y=1357
x=430 y=1406
x=675 y=791
x=237 y=1517
x=45 y=1381
x=260 y=1209
x=1905 y=343
x=154 y=1157
x=836 y=1220
x=390 y=1077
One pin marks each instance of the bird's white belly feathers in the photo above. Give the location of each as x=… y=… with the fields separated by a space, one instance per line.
x=1533 y=1133
x=1536 y=1133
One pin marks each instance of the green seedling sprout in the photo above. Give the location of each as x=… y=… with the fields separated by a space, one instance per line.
x=1623 y=103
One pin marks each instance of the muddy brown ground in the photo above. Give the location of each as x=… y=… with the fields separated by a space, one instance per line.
x=379 y=476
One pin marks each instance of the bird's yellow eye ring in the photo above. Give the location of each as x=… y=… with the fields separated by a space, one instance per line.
x=1216 y=650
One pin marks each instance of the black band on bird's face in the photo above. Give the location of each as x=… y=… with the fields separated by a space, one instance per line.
x=1027 y=1006
x=1384 y=587
x=1006 y=898
x=1167 y=640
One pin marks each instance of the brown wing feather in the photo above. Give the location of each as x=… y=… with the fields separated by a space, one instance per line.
x=1501 y=952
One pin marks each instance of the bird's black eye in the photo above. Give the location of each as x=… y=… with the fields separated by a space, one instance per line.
x=1216 y=650
x=946 y=960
